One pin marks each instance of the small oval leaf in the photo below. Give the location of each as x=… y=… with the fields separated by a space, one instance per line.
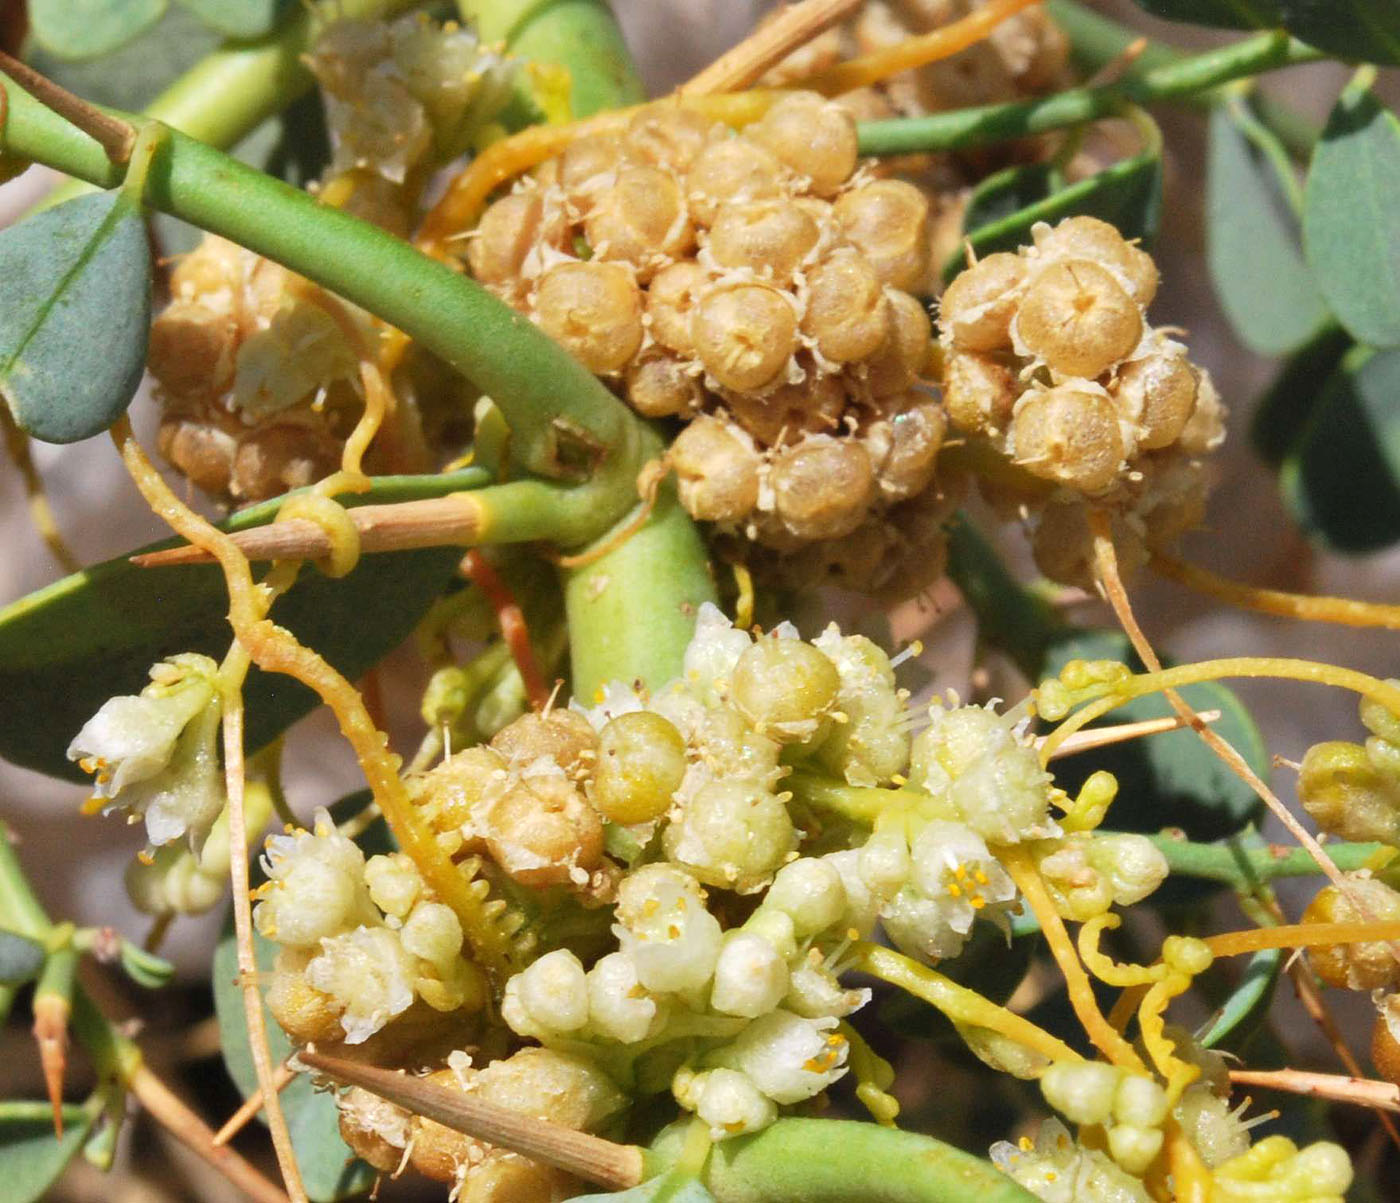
x=238 y=18
x=69 y=647
x=21 y=958
x=76 y=317
x=31 y=1157
x=78 y=29
x=1351 y=224
x=1341 y=480
x=1253 y=239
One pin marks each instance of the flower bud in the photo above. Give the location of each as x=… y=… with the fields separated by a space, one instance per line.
x=1081 y=1091
x=750 y=977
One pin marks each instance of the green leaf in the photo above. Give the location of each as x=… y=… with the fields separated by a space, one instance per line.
x=1127 y=195
x=67 y=648
x=1248 y=1003
x=673 y=1187
x=1283 y=411
x=329 y=1169
x=1342 y=479
x=76 y=317
x=145 y=968
x=21 y=958
x=239 y=18
x=78 y=29
x=1351 y=224
x=1253 y=240
x=31 y=1157
x=1363 y=30
x=1173 y=779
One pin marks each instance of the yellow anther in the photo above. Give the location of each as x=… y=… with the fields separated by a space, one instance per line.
x=1026 y=1144
x=954 y=890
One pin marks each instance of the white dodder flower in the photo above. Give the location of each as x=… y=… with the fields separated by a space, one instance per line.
x=156 y=753
x=787 y=1057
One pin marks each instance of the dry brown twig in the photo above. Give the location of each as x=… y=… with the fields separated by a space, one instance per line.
x=792 y=28
x=1102 y=737
x=115 y=137
x=1336 y=1088
x=282 y=1077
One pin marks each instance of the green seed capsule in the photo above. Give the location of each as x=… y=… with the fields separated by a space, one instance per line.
x=641 y=760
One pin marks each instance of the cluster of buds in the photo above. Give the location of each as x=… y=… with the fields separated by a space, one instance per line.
x=257 y=370
x=756 y=286
x=1050 y=364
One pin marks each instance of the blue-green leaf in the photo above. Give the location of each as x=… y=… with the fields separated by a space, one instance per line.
x=1363 y=30
x=239 y=18
x=79 y=29
x=329 y=1169
x=1253 y=238
x=67 y=648
x=1342 y=479
x=1169 y=780
x=1351 y=223
x=21 y=958
x=1282 y=413
x=31 y=1157
x=1248 y=1003
x=76 y=317
x=1127 y=195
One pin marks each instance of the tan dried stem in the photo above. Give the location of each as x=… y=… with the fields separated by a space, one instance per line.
x=1102 y=737
x=791 y=29
x=1336 y=1088
x=592 y=1158
x=115 y=137
x=191 y=1131
x=282 y=1077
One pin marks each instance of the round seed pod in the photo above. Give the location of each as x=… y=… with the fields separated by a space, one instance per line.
x=595 y=310
x=888 y=221
x=976 y=309
x=1069 y=435
x=731 y=169
x=670 y=300
x=563 y=736
x=1367 y=965
x=1063 y=545
x=904 y=355
x=366 y=1120
x=979 y=392
x=813 y=137
x=448 y=795
x=588 y=166
x=640 y=220
x=789 y=411
x=716 y=470
x=202 y=453
x=667 y=136
x=506 y=234
x=278 y=459
x=641 y=761
x=847 y=313
x=822 y=486
x=192 y=349
x=659 y=386
x=1350 y=794
x=539 y=829
x=768 y=237
x=1205 y=428
x=1385 y=1039
x=1157 y=393
x=1090 y=238
x=903 y=443
x=744 y=334
x=1077 y=318
x=784 y=687
x=215 y=265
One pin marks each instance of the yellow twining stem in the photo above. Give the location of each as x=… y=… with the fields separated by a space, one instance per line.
x=1104 y=967
x=40 y=512
x=1302 y=935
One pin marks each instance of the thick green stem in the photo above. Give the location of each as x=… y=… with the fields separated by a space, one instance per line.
x=840 y=1161
x=560 y=413
x=1096 y=41
x=962 y=129
x=1244 y=867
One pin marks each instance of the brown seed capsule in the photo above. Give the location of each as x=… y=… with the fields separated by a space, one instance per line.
x=1095 y=240
x=202 y=453
x=1077 y=318
x=436 y=1151
x=588 y=166
x=1205 y=428
x=1367 y=965
x=302 y=1011
x=744 y=334
x=640 y=220
x=563 y=736
x=365 y=1122
x=1069 y=435
x=1385 y=1039
x=822 y=487
x=213 y=266
x=277 y=459
x=979 y=392
x=191 y=349
x=540 y=830
x=1157 y=393
x=789 y=411
x=716 y=470
x=448 y=795
x=903 y=443
x=904 y=356
x=768 y=237
x=814 y=137
x=976 y=309
x=668 y=136
x=670 y=299
x=659 y=386
x=847 y=313
x=1063 y=545
x=595 y=310
x=731 y=169
x=889 y=222
x=504 y=237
